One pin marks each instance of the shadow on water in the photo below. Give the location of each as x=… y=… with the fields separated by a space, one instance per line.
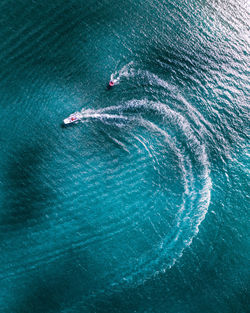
x=25 y=190
x=58 y=285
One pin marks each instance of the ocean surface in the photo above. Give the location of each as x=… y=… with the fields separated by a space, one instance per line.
x=143 y=205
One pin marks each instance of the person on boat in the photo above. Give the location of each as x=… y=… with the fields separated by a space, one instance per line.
x=110 y=84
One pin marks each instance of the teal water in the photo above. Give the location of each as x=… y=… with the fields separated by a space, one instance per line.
x=143 y=205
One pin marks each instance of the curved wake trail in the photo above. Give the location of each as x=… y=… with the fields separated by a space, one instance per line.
x=196 y=185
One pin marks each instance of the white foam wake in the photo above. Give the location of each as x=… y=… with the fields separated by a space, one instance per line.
x=195 y=199
x=125 y=71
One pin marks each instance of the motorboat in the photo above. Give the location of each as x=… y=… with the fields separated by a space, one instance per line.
x=110 y=84
x=73 y=118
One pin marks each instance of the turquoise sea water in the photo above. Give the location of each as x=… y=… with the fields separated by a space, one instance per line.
x=143 y=205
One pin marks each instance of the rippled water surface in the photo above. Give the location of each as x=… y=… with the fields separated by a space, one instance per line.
x=141 y=206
